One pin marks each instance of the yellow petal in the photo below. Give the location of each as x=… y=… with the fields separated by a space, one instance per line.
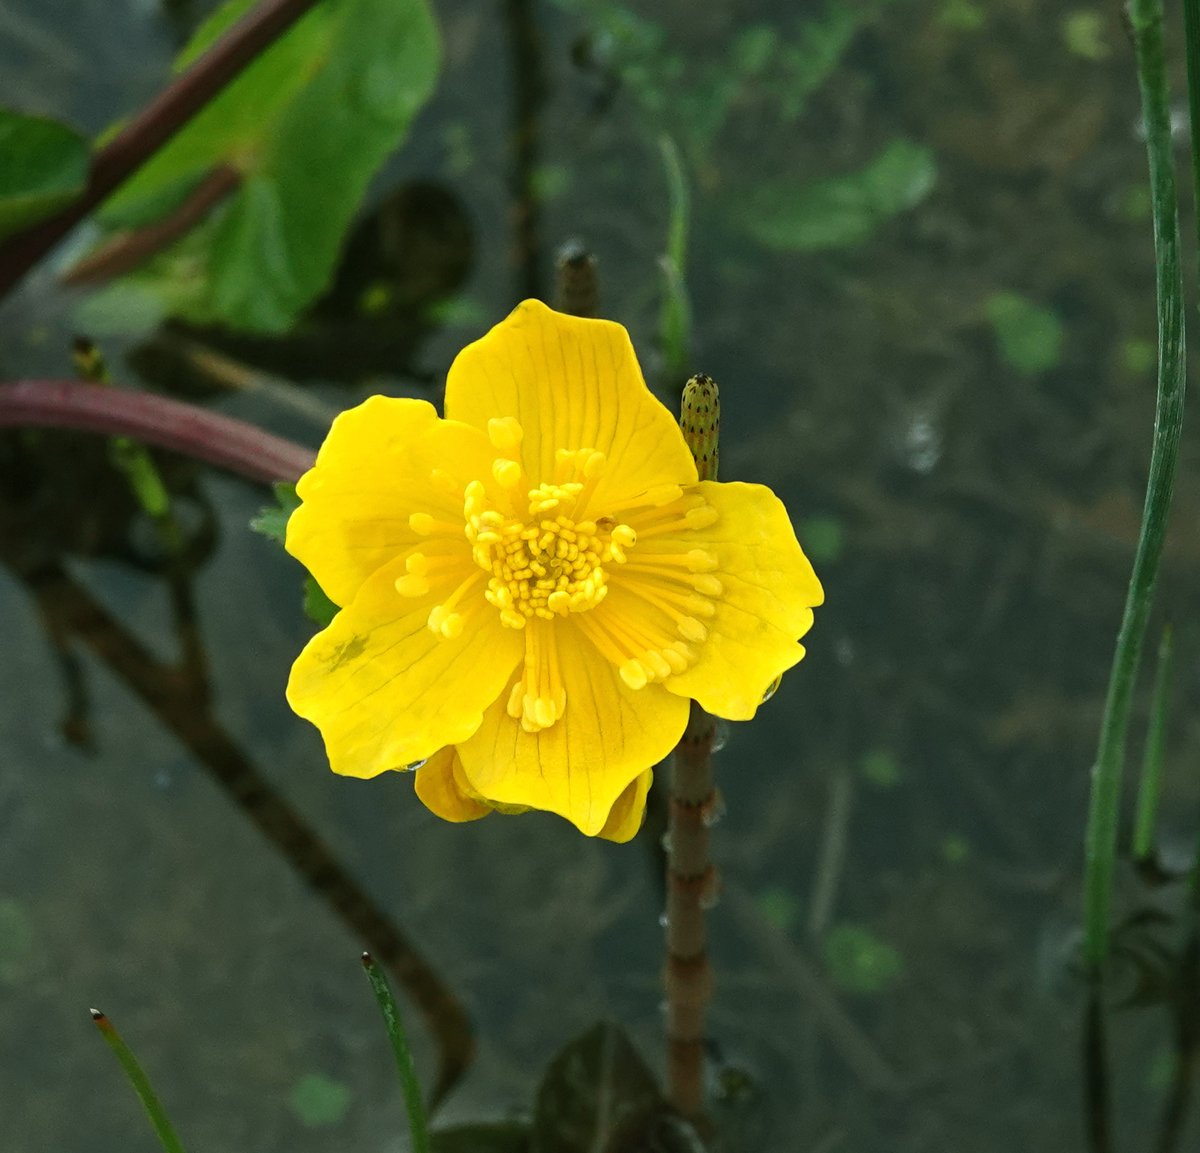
x=436 y=784
x=386 y=690
x=767 y=593
x=381 y=462
x=571 y=384
x=607 y=736
x=629 y=812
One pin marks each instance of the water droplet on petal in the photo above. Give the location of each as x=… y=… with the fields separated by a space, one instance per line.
x=414 y=766
x=772 y=688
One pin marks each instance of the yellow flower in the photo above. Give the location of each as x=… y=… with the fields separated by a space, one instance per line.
x=533 y=589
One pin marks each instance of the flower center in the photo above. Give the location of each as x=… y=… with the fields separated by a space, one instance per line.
x=549 y=562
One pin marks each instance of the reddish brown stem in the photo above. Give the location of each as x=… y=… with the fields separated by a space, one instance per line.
x=148 y=131
x=132 y=247
x=691 y=887
x=220 y=440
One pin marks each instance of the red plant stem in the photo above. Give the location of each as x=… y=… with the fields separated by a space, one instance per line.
x=219 y=440
x=151 y=128
x=132 y=247
x=691 y=887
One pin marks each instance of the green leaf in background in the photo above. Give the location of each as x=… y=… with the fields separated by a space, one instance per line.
x=319 y=1100
x=1029 y=336
x=859 y=962
x=45 y=166
x=844 y=210
x=272 y=520
x=306 y=125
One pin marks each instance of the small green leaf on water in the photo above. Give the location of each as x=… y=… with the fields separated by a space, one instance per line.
x=318 y=1100
x=45 y=166
x=1028 y=335
x=1137 y=204
x=1083 y=33
x=881 y=768
x=843 y=210
x=1138 y=357
x=822 y=538
x=16 y=940
x=550 y=181
x=859 y=962
x=955 y=849
x=780 y=906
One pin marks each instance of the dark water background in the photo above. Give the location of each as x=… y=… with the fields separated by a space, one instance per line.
x=914 y=794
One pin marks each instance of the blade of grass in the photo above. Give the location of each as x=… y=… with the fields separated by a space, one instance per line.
x=1146 y=822
x=1146 y=17
x=413 y=1105
x=140 y=1082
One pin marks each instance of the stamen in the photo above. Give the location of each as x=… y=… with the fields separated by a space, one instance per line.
x=506 y=434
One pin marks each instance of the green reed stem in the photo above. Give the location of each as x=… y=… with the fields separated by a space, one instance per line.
x=1146 y=17
x=675 y=319
x=413 y=1105
x=1146 y=822
x=141 y=1084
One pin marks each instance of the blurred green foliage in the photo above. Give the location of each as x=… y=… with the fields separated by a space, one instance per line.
x=860 y=962
x=305 y=127
x=271 y=522
x=45 y=166
x=1028 y=335
x=843 y=210
x=319 y=1100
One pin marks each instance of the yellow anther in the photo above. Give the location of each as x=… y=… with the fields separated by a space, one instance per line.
x=662 y=494
x=506 y=472
x=421 y=523
x=593 y=464
x=505 y=433
x=417 y=563
x=516 y=700
x=445 y=623
x=412 y=585
x=701 y=517
x=624 y=535
x=634 y=674
x=692 y=630
x=678 y=656
x=658 y=665
x=700 y=560
x=707 y=585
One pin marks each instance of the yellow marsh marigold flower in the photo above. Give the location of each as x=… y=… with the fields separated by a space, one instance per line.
x=532 y=589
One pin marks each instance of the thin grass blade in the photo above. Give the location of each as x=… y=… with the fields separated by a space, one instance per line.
x=409 y=1085
x=1145 y=823
x=167 y=1137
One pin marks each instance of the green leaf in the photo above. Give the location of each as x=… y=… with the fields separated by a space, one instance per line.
x=597 y=1096
x=1029 y=336
x=844 y=210
x=317 y=606
x=319 y=1100
x=307 y=125
x=45 y=166
x=859 y=962
x=272 y=520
